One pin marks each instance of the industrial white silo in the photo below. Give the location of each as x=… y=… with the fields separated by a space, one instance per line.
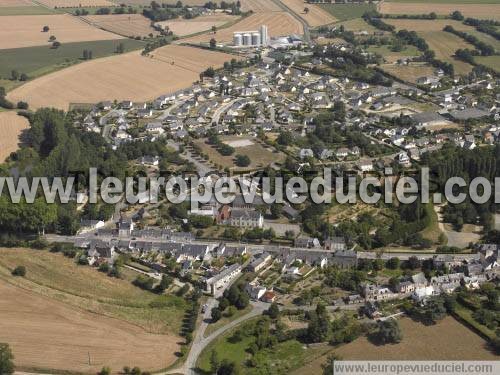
x=237 y=39
x=247 y=39
x=263 y=35
x=255 y=39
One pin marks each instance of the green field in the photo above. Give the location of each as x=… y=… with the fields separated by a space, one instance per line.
x=344 y=12
x=24 y=11
x=490 y=61
x=283 y=357
x=447 y=1
x=36 y=61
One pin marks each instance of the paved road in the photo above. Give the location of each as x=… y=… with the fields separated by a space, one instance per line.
x=200 y=342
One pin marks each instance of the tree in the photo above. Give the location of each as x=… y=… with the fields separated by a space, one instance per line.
x=56 y=45
x=165 y=282
x=393 y=263
x=276 y=210
x=23 y=77
x=389 y=332
x=306 y=10
x=242 y=161
x=19 y=271
x=14 y=75
x=213 y=43
x=216 y=314
x=105 y=371
x=22 y=105
x=45 y=29
x=214 y=29
x=228 y=368
x=6 y=360
x=456 y=15
x=52 y=38
x=273 y=312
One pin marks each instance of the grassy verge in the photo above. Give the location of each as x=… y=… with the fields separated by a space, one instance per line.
x=211 y=328
x=465 y=314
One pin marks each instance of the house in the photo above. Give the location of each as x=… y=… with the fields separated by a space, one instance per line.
x=307 y=242
x=213 y=284
x=403 y=159
x=365 y=166
x=269 y=297
x=423 y=293
x=325 y=154
x=345 y=258
x=90 y=225
x=149 y=160
x=246 y=218
x=259 y=263
x=255 y=290
x=405 y=287
x=125 y=227
x=335 y=244
x=155 y=127
x=341 y=152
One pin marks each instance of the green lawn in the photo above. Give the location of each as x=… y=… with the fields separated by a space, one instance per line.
x=36 y=61
x=25 y=11
x=432 y=232
x=344 y=12
x=212 y=327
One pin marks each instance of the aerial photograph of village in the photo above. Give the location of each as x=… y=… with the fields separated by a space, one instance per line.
x=258 y=187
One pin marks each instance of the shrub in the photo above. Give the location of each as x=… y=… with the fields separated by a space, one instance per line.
x=19 y=271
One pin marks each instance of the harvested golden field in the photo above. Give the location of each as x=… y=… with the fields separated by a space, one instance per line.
x=129 y=25
x=259 y=6
x=76 y=3
x=26 y=31
x=182 y=27
x=44 y=333
x=487 y=11
x=316 y=15
x=447 y=340
x=16 y=3
x=11 y=126
x=278 y=23
x=125 y=77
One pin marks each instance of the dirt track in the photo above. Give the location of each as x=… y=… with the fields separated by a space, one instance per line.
x=44 y=333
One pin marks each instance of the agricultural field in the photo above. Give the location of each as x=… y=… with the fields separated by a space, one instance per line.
x=278 y=23
x=259 y=6
x=125 y=77
x=408 y=73
x=491 y=61
x=56 y=276
x=316 y=15
x=76 y=3
x=356 y=24
x=129 y=25
x=47 y=334
x=183 y=27
x=37 y=61
x=259 y=155
x=444 y=44
x=16 y=3
x=443 y=341
x=480 y=10
x=11 y=126
x=344 y=12
x=391 y=56
x=26 y=31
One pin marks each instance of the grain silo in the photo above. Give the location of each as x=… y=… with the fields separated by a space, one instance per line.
x=255 y=38
x=247 y=39
x=237 y=39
